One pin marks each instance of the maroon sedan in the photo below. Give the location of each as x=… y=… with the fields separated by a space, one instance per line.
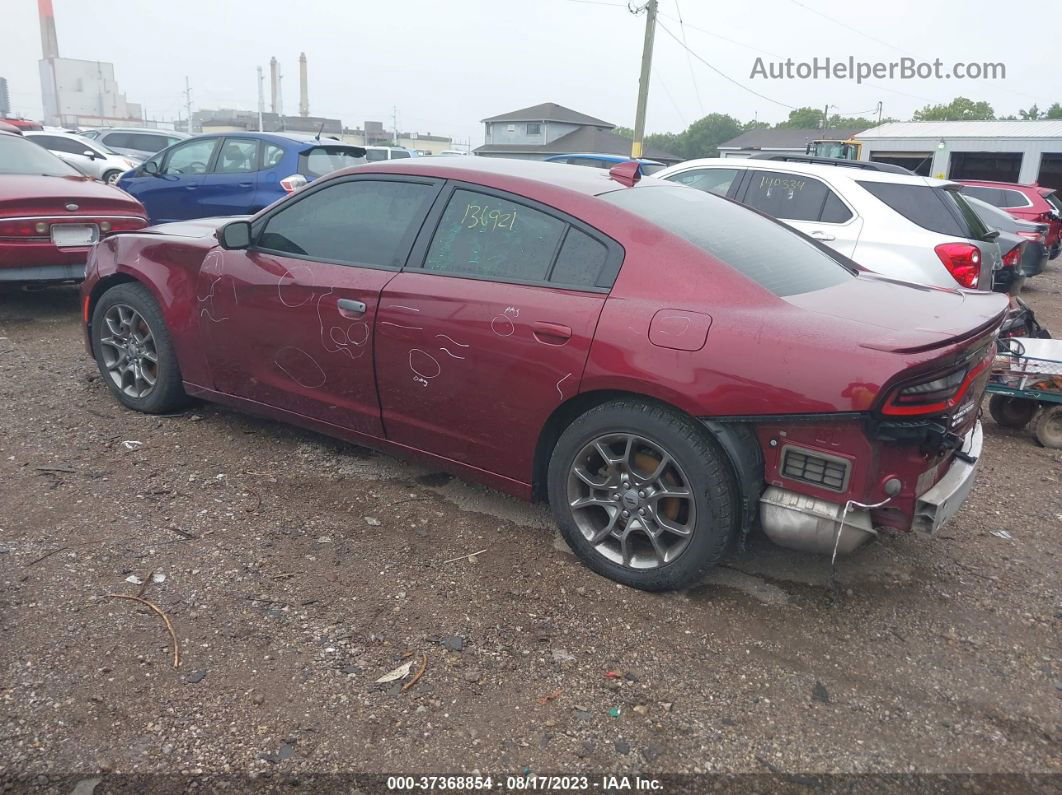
x=51 y=214
x=666 y=367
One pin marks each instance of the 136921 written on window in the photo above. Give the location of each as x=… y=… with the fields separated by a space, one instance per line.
x=481 y=216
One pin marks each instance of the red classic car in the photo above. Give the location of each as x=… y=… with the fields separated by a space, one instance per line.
x=666 y=367
x=51 y=214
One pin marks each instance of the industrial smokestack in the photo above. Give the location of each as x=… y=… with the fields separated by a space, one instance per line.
x=273 y=84
x=49 y=40
x=304 y=95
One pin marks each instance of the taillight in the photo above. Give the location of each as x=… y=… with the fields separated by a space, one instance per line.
x=935 y=393
x=962 y=260
x=1030 y=235
x=23 y=228
x=1012 y=257
x=121 y=225
x=294 y=183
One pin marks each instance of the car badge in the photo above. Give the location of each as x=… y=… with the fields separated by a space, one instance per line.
x=72 y=207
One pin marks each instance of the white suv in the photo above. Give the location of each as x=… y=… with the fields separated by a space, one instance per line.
x=910 y=228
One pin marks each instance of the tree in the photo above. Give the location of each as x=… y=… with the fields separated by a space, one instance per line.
x=703 y=136
x=1033 y=112
x=959 y=109
x=803 y=119
x=1054 y=112
x=755 y=125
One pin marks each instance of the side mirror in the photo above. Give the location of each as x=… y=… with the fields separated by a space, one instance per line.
x=235 y=235
x=150 y=167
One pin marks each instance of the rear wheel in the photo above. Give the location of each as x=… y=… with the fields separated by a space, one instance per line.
x=643 y=495
x=134 y=351
x=1011 y=412
x=1047 y=427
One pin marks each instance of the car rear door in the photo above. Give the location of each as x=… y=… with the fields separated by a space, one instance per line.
x=805 y=203
x=288 y=323
x=487 y=330
x=230 y=187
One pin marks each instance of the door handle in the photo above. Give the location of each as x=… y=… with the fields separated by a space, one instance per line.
x=190 y=187
x=350 y=308
x=246 y=184
x=551 y=333
x=818 y=234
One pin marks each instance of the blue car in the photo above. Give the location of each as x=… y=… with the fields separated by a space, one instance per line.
x=596 y=160
x=232 y=173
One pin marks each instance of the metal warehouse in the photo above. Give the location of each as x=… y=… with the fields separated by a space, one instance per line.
x=1004 y=151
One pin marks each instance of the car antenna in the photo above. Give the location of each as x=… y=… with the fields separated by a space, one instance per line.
x=318 y=138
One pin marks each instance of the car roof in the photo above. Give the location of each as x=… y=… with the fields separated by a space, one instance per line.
x=813 y=170
x=155 y=130
x=580 y=179
x=280 y=137
x=602 y=156
x=989 y=183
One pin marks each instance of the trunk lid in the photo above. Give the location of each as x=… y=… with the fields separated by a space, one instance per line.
x=888 y=315
x=31 y=195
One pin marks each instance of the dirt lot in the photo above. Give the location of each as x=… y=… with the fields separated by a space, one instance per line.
x=298 y=570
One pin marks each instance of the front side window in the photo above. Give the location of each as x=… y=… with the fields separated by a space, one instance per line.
x=713 y=180
x=190 y=158
x=360 y=222
x=765 y=251
x=493 y=238
x=119 y=139
x=238 y=156
x=398 y=154
x=792 y=197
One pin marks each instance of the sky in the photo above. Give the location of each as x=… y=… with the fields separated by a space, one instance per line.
x=447 y=65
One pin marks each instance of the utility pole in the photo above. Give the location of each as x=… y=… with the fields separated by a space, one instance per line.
x=188 y=102
x=825 y=116
x=879 y=111
x=394 y=122
x=261 y=97
x=643 y=79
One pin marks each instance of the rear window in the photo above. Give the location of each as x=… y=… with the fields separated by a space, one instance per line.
x=936 y=209
x=19 y=155
x=1054 y=201
x=764 y=250
x=323 y=160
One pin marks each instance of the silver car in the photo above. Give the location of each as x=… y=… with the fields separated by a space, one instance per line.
x=91 y=158
x=138 y=142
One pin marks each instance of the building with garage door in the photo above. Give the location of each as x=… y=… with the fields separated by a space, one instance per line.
x=1002 y=151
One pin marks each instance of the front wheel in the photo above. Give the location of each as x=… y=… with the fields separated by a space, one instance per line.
x=643 y=495
x=111 y=177
x=134 y=351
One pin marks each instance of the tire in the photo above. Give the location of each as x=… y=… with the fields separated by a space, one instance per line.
x=154 y=388
x=1047 y=427
x=1011 y=412
x=636 y=435
x=111 y=177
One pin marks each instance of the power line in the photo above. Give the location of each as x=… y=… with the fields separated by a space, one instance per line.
x=689 y=60
x=723 y=74
x=691 y=26
x=681 y=115
x=849 y=27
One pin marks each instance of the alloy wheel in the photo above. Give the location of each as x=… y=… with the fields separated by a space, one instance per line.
x=128 y=349
x=631 y=501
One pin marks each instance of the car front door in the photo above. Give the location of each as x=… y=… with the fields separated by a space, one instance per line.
x=229 y=189
x=487 y=330
x=73 y=152
x=173 y=193
x=288 y=323
x=806 y=204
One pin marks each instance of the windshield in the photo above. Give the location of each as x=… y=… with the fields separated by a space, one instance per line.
x=764 y=250
x=323 y=160
x=20 y=156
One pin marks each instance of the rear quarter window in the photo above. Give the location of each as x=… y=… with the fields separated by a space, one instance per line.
x=934 y=209
x=760 y=248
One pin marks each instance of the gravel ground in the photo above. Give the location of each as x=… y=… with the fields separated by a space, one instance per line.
x=297 y=571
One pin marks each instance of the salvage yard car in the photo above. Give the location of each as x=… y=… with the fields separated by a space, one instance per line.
x=666 y=367
x=51 y=214
x=900 y=225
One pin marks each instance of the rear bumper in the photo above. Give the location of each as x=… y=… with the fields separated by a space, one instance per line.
x=943 y=501
x=30 y=274
x=810 y=524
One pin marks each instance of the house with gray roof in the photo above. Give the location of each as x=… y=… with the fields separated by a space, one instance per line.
x=541 y=131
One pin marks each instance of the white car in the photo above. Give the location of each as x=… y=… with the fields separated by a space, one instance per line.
x=375 y=153
x=91 y=158
x=910 y=228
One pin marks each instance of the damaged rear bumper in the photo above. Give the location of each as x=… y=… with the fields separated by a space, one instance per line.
x=810 y=524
